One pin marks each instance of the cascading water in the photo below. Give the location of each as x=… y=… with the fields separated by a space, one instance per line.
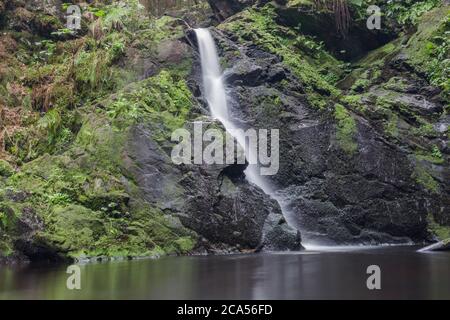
x=217 y=100
x=215 y=94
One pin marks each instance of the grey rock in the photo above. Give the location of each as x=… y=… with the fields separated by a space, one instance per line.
x=419 y=103
x=333 y=197
x=223 y=9
x=245 y=73
x=279 y=236
x=215 y=201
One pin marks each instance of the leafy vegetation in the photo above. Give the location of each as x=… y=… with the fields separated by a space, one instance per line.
x=6 y=169
x=81 y=96
x=442 y=232
x=162 y=99
x=68 y=100
x=429 y=49
x=409 y=11
x=423 y=177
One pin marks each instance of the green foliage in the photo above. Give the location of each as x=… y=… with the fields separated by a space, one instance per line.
x=391 y=126
x=353 y=101
x=6 y=169
x=114 y=18
x=92 y=69
x=441 y=231
x=45 y=50
x=63 y=75
x=434 y=156
x=409 y=11
x=396 y=84
x=162 y=98
x=115 y=47
x=429 y=49
x=4 y=221
x=58 y=198
x=360 y=85
x=24 y=144
x=345 y=129
x=51 y=122
x=425 y=130
x=118 y=16
x=86 y=211
x=439 y=64
x=436 y=153
x=356 y=2
x=63 y=32
x=185 y=244
x=78 y=189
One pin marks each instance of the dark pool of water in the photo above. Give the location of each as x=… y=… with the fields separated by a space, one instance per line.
x=338 y=274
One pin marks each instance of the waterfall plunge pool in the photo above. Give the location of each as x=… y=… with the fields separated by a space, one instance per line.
x=336 y=274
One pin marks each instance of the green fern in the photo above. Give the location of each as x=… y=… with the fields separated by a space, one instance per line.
x=51 y=123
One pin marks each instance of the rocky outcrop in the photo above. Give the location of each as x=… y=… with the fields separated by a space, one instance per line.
x=215 y=201
x=223 y=9
x=365 y=198
x=364 y=147
x=342 y=178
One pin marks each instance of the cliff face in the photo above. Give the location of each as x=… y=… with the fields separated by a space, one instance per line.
x=86 y=126
x=358 y=164
x=86 y=121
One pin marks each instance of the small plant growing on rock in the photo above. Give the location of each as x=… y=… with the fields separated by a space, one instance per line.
x=345 y=129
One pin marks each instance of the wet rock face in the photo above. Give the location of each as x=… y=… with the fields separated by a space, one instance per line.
x=40 y=17
x=333 y=196
x=216 y=201
x=223 y=9
x=358 y=40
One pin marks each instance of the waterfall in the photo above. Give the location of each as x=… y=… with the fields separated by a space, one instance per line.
x=215 y=94
x=216 y=97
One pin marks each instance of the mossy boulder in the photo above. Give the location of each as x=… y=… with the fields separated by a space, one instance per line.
x=74 y=228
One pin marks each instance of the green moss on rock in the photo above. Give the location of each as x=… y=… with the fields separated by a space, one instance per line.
x=316 y=68
x=164 y=99
x=424 y=178
x=428 y=48
x=345 y=129
x=442 y=232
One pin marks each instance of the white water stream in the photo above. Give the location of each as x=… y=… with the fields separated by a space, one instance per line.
x=216 y=97
x=215 y=94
